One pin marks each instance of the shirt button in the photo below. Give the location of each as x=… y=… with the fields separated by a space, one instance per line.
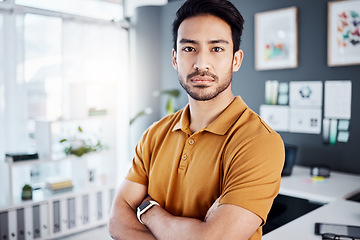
x=191 y=141
x=184 y=157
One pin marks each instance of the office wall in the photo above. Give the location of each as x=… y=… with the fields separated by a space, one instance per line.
x=145 y=67
x=250 y=84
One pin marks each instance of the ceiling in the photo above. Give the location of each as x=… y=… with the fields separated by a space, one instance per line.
x=130 y=5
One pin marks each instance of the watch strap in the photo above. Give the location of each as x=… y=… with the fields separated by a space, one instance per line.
x=144 y=207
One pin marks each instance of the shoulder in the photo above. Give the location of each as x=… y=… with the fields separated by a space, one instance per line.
x=252 y=138
x=250 y=126
x=160 y=128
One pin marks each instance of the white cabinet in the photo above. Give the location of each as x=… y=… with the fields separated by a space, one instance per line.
x=56 y=217
x=51 y=214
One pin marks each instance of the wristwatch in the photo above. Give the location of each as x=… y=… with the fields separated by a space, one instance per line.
x=144 y=207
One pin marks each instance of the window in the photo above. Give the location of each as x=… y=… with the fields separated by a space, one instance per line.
x=42 y=65
x=91 y=62
x=2 y=88
x=54 y=67
x=92 y=8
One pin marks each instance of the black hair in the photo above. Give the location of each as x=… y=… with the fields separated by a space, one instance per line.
x=222 y=9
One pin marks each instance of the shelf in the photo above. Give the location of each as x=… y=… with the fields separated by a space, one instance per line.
x=41 y=161
x=93 y=177
x=44 y=195
x=58 y=216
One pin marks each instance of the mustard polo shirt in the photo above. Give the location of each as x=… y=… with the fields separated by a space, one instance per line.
x=237 y=157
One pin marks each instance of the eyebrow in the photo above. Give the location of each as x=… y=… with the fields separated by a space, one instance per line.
x=219 y=41
x=185 y=40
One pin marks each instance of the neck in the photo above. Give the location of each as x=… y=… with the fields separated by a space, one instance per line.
x=203 y=113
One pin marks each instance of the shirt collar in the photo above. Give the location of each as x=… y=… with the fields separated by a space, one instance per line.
x=221 y=124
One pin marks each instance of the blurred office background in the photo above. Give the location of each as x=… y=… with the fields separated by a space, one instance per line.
x=99 y=63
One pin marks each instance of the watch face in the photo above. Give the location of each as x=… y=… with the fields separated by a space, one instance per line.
x=144 y=205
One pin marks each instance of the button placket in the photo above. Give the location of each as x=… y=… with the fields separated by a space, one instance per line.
x=185 y=156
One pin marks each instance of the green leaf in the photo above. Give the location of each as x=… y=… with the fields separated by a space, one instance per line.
x=80 y=129
x=170 y=105
x=63 y=140
x=27 y=187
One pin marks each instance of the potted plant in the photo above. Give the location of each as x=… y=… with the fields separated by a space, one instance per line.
x=80 y=144
x=26 y=193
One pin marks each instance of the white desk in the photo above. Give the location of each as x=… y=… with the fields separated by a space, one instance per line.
x=302 y=228
x=332 y=192
x=301 y=185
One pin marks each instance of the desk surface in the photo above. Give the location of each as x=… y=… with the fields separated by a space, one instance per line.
x=301 y=185
x=338 y=212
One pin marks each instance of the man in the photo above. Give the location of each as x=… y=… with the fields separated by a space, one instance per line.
x=211 y=170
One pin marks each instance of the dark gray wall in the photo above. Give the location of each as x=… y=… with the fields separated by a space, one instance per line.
x=145 y=57
x=250 y=84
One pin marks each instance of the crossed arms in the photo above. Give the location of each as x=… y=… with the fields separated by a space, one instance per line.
x=221 y=222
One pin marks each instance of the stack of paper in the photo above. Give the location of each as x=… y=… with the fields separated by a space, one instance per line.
x=57 y=184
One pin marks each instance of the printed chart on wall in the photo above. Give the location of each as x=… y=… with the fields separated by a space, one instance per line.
x=337 y=111
x=302 y=114
x=305 y=106
x=297 y=107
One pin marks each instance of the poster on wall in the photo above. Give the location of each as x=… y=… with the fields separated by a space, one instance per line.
x=337 y=102
x=343 y=33
x=306 y=93
x=276 y=116
x=276 y=39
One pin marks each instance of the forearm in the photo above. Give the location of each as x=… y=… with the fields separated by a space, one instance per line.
x=222 y=222
x=123 y=224
x=163 y=225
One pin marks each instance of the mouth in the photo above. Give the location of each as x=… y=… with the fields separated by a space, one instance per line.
x=201 y=80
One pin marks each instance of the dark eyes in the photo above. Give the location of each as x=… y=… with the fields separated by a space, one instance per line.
x=217 y=49
x=188 y=49
x=214 y=49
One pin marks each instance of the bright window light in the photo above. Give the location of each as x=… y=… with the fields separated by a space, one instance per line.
x=42 y=65
x=90 y=8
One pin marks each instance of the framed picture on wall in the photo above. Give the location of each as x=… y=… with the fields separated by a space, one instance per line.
x=343 y=33
x=276 y=40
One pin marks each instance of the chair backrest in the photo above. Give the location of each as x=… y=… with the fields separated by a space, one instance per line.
x=290 y=156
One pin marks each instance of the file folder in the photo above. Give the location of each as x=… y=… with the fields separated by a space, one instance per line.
x=99 y=205
x=28 y=213
x=56 y=216
x=12 y=225
x=63 y=215
x=36 y=221
x=20 y=216
x=71 y=213
x=79 y=211
x=4 y=225
x=85 y=208
x=44 y=220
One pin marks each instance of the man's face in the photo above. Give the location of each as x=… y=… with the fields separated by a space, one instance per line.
x=204 y=57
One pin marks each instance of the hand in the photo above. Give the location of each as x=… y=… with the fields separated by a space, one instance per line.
x=212 y=208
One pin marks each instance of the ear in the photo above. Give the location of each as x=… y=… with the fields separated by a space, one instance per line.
x=238 y=57
x=174 y=60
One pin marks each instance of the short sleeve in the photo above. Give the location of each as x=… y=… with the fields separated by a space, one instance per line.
x=139 y=170
x=252 y=177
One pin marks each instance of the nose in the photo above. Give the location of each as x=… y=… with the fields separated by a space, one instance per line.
x=202 y=61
